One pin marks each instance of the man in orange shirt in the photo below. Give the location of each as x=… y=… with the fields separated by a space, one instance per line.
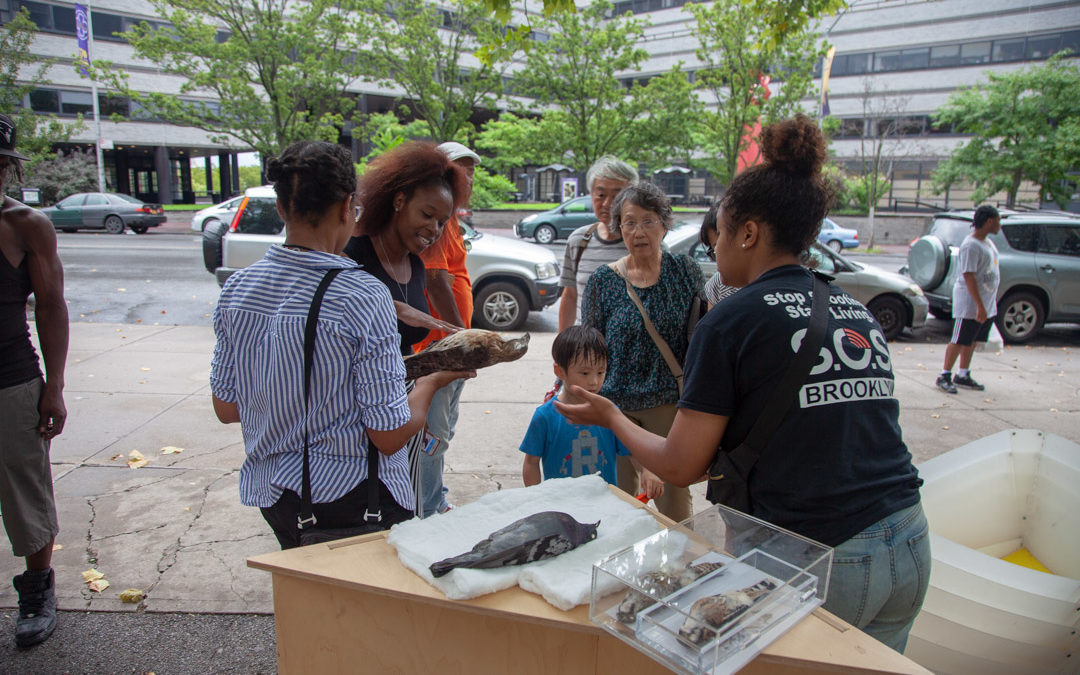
x=449 y=295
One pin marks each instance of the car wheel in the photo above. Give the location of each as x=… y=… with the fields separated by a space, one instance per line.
x=1020 y=317
x=890 y=313
x=212 y=244
x=545 y=234
x=835 y=245
x=500 y=306
x=69 y=230
x=113 y=225
x=928 y=261
x=140 y=229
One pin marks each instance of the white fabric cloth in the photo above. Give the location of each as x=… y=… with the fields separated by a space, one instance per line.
x=981 y=259
x=565 y=581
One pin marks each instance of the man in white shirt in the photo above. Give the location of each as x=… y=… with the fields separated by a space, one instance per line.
x=974 y=299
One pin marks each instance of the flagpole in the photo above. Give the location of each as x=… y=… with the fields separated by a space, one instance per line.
x=94 y=94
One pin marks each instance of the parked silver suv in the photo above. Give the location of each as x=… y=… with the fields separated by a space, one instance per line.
x=1039 y=262
x=510 y=278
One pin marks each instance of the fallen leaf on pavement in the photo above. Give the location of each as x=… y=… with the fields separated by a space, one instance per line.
x=946 y=427
x=136 y=459
x=1053 y=409
x=935 y=416
x=171 y=450
x=98 y=586
x=144 y=369
x=57 y=547
x=132 y=595
x=116 y=457
x=91 y=575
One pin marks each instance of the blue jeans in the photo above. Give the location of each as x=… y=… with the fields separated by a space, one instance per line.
x=441 y=420
x=879 y=576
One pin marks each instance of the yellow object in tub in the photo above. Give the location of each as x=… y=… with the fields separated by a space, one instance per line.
x=1023 y=557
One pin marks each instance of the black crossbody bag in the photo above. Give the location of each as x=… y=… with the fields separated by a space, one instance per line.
x=729 y=474
x=306 y=522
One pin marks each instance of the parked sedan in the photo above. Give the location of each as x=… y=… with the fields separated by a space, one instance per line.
x=894 y=300
x=837 y=238
x=104 y=210
x=557 y=223
x=217 y=213
x=510 y=278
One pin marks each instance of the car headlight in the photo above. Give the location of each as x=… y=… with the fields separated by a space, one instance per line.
x=915 y=289
x=529 y=219
x=546 y=270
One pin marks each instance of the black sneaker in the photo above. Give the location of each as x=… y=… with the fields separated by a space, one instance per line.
x=945 y=383
x=37 y=607
x=968 y=383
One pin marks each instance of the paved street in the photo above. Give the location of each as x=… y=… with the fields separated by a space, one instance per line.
x=175 y=529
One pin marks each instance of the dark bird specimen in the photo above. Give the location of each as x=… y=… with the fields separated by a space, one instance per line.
x=708 y=614
x=536 y=537
x=470 y=349
x=660 y=584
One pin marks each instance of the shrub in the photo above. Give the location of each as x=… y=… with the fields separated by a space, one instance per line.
x=490 y=189
x=63 y=175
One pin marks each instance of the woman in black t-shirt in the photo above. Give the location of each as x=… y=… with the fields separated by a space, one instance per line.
x=406 y=197
x=836 y=468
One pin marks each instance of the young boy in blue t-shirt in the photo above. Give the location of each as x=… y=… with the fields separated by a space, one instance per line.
x=567 y=450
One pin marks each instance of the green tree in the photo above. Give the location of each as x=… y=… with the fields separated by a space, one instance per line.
x=490 y=189
x=514 y=141
x=571 y=79
x=20 y=73
x=61 y=175
x=735 y=51
x=1025 y=127
x=426 y=50
x=672 y=110
x=279 y=70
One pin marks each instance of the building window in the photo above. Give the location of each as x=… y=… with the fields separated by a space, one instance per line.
x=40 y=14
x=75 y=102
x=105 y=25
x=886 y=61
x=1009 y=50
x=944 y=55
x=914 y=59
x=45 y=101
x=974 y=52
x=851 y=128
x=1043 y=47
x=63 y=19
x=112 y=105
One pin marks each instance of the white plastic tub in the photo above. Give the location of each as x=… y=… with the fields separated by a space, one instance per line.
x=985 y=500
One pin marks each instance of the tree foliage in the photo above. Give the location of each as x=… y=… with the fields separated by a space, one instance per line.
x=736 y=49
x=279 y=69
x=427 y=51
x=571 y=78
x=63 y=175
x=1026 y=126
x=20 y=73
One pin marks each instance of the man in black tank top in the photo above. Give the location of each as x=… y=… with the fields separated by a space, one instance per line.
x=33 y=406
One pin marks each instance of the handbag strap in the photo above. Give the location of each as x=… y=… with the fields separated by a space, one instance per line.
x=306 y=518
x=673 y=363
x=584 y=243
x=749 y=451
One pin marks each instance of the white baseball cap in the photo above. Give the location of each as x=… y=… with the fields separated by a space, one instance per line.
x=455 y=150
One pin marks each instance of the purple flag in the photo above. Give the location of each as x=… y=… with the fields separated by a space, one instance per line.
x=82 y=37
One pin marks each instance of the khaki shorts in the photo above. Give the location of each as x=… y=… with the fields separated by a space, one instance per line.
x=26 y=493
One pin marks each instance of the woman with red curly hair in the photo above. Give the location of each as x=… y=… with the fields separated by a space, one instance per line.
x=406 y=197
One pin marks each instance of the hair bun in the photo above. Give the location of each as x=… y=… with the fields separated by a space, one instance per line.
x=274 y=169
x=794 y=146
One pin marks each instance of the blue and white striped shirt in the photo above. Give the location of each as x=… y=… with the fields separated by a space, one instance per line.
x=357 y=379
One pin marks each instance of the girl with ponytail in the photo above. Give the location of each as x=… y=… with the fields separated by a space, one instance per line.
x=835 y=467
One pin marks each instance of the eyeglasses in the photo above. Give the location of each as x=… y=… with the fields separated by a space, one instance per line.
x=644 y=225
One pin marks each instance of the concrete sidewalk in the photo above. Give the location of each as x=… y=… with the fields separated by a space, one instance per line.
x=175 y=527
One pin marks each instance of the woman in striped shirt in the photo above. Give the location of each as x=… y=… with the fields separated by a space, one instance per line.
x=357 y=400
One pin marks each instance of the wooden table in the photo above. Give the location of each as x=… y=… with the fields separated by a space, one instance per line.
x=351 y=607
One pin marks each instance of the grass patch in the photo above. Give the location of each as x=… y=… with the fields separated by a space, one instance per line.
x=847 y=212
x=184 y=207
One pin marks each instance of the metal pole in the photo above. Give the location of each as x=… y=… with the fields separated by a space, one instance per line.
x=94 y=94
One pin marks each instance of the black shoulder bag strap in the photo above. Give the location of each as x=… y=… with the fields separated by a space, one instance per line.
x=306 y=518
x=586 y=238
x=733 y=490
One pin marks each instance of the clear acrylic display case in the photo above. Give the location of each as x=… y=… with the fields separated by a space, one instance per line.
x=709 y=594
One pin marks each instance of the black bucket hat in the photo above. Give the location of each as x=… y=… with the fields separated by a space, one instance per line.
x=7 y=139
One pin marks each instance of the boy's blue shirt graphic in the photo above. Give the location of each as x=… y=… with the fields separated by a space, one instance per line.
x=570 y=450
